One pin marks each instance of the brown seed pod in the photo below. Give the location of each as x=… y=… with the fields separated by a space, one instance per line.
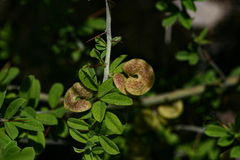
x=171 y=111
x=140 y=79
x=78 y=91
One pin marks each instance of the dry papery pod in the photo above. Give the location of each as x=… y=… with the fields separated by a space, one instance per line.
x=171 y=111
x=140 y=79
x=71 y=101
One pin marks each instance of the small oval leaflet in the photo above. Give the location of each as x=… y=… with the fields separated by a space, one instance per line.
x=117 y=99
x=113 y=123
x=108 y=145
x=77 y=124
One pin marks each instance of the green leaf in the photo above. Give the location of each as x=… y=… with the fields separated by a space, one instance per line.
x=116 y=62
x=89 y=144
x=88 y=155
x=105 y=87
x=98 y=110
x=100 y=41
x=116 y=40
x=11 y=130
x=3 y=74
x=25 y=89
x=182 y=55
x=237 y=122
x=113 y=123
x=78 y=150
x=185 y=20
x=169 y=20
x=109 y=146
x=35 y=94
x=87 y=79
x=235 y=72
x=26 y=154
x=119 y=68
x=85 y=115
x=166 y=6
x=10 y=151
x=55 y=94
x=59 y=112
x=76 y=55
x=96 y=54
x=201 y=36
x=189 y=5
x=97 y=23
x=4 y=140
x=97 y=150
x=214 y=153
x=36 y=139
x=96 y=157
x=215 y=131
x=77 y=124
x=13 y=107
x=210 y=76
x=225 y=140
x=10 y=75
x=100 y=48
x=235 y=152
x=47 y=119
x=193 y=59
x=103 y=54
x=3 y=91
x=28 y=112
x=117 y=99
x=28 y=124
x=80 y=137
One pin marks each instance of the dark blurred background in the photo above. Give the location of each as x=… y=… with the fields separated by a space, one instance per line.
x=47 y=38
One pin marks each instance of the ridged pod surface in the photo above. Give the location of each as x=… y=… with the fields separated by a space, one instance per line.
x=78 y=90
x=140 y=79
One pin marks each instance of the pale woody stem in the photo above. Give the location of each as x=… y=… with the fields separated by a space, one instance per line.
x=109 y=41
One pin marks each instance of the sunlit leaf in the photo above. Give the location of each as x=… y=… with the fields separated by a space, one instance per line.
x=13 y=107
x=105 y=87
x=117 y=99
x=78 y=136
x=235 y=152
x=108 y=145
x=28 y=124
x=215 y=131
x=77 y=124
x=116 y=62
x=47 y=119
x=11 y=130
x=113 y=123
x=98 y=110
x=54 y=94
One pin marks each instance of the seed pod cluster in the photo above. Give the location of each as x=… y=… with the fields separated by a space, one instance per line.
x=140 y=79
x=78 y=90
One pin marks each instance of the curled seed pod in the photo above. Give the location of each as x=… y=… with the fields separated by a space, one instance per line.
x=140 y=79
x=171 y=111
x=78 y=91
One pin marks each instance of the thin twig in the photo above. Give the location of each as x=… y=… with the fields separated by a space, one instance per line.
x=185 y=93
x=214 y=65
x=191 y=128
x=109 y=41
x=96 y=37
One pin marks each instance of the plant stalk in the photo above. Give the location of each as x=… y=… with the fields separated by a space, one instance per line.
x=109 y=41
